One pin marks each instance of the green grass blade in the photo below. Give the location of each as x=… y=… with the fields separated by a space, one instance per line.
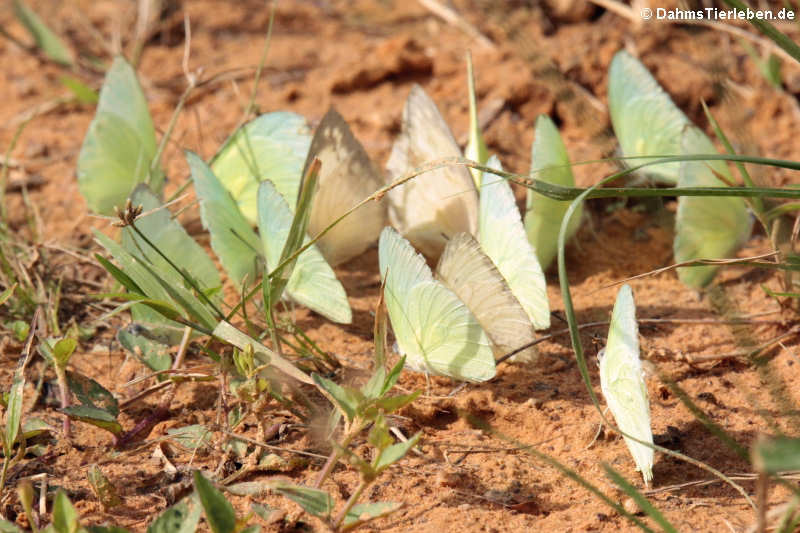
x=46 y=40
x=643 y=503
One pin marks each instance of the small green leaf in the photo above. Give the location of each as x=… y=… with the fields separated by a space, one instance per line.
x=219 y=511
x=63 y=350
x=48 y=42
x=65 y=517
x=379 y=434
x=643 y=503
x=230 y=334
x=476 y=149
x=393 y=403
x=372 y=389
x=82 y=92
x=121 y=277
x=150 y=352
x=347 y=400
x=96 y=417
x=91 y=394
x=249 y=488
x=314 y=501
x=14 y=412
x=395 y=452
x=20 y=329
x=394 y=375
x=180 y=518
x=33 y=427
x=363 y=512
x=102 y=487
x=191 y=437
x=776 y=454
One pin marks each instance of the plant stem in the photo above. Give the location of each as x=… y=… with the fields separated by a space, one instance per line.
x=172 y=121
x=6 y=462
x=63 y=390
x=351 y=502
x=180 y=271
x=333 y=458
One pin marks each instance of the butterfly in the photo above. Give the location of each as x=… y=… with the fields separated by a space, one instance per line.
x=312 y=282
x=119 y=148
x=433 y=207
x=706 y=228
x=622 y=382
x=645 y=120
x=346 y=178
x=543 y=215
x=434 y=329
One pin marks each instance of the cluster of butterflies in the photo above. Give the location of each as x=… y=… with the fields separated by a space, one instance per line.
x=487 y=294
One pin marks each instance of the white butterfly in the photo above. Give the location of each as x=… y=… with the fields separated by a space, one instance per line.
x=645 y=119
x=622 y=382
x=435 y=330
x=312 y=282
x=347 y=177
x=433 y=207
x=502 y=237
x=467 y=271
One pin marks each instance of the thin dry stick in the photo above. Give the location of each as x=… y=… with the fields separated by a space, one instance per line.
x=688 y=321
x=789 y=475
x=271 y=447
x=741 y=353
x=451 y=17
x=713 y=262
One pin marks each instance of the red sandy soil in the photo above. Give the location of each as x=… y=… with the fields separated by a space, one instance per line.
x=362 y=57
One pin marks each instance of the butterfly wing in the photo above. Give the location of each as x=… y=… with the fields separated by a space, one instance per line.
x=434 y=329
x=706 y=228
x=502 y=237
x=120 y=145
x=274 y=146
x=346 y=178
x=312 y=282
x=467 y=271
x=544 y=215
x=622 y=382
x=436 y=205
x=232 y=238
x=645 y=119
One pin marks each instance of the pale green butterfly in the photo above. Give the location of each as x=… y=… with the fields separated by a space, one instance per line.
x=502 y=237
x=312 y=282
x=465 y=269
x=232 y=238
x=119 y=148
x=543 y=215
x=272 y=146
x=645 y=120
x=622 y=382
x=157 y=224
x=706 y=228
x=434 y=329
x=433 y=207
x=347 y=177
